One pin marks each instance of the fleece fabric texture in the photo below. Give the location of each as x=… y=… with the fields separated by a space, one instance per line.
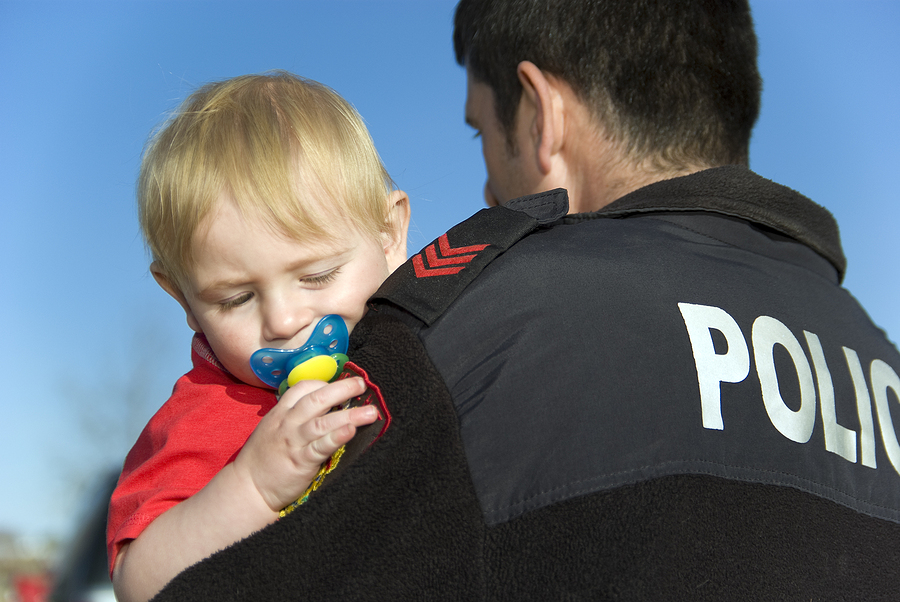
x=692 y=538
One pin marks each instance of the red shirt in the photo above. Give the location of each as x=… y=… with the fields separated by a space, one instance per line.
x=199 y=430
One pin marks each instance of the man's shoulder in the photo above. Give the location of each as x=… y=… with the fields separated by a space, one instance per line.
x=432 y=279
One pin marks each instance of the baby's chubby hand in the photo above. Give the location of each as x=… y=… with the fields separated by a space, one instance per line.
x=289 y=444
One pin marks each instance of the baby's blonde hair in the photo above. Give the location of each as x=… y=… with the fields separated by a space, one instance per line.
x=287 y=150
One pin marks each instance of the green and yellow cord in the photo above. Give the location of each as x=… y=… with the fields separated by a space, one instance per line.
x=327 y=466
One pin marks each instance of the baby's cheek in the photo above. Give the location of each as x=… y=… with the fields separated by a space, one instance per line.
x=235 y=357
x=353 y=319
x=243 y=372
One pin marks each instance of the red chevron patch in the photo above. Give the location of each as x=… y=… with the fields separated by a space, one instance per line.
x=447 y=265
x=446 y=249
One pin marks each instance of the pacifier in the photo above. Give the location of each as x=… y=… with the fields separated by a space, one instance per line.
x=321 y=358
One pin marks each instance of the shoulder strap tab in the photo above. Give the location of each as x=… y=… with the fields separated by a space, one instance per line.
x=432 y=279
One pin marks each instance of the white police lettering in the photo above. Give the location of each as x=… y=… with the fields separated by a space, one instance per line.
x=714 y=368
x=838 y=439
x=883 y=378
x=767 y=332
x=796 y=426
x=863 y=408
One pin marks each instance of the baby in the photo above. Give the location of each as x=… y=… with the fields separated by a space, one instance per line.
x=266 y=208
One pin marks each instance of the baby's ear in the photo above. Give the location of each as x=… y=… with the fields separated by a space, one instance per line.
x=170 y=287
x=394 y=234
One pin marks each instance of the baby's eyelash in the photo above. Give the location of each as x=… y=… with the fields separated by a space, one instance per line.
x=236 y=301
x=321 y=278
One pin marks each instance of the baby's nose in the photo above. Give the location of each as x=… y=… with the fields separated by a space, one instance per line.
x=284 y=323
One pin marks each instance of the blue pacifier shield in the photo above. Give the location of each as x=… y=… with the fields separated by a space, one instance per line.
x=272 y=366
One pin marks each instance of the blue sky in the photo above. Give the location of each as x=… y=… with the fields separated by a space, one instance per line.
x=90 y=346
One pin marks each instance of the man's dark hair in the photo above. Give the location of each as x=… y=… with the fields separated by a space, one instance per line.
x=674 y=81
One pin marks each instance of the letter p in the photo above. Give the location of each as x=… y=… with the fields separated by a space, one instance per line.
x=713 y=368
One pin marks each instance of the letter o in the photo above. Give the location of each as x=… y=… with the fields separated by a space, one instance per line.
x=796 y=426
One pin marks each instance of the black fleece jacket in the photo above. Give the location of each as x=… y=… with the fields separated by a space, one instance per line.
x=671 y=398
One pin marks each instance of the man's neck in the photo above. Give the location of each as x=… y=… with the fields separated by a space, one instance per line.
x=595 y=168
x=605 y=176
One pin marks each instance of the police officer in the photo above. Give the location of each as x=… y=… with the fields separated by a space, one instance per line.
x=664 y=394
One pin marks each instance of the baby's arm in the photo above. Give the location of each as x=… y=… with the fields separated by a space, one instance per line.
x=272 y=470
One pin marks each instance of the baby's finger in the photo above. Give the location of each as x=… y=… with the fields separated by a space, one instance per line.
x=356 y=416
x=327 y=433
x=334 y=421
x=301 y=389
x=321 y=400
x=321 y=448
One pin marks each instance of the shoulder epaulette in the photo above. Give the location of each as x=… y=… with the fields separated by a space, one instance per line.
x=432 y=279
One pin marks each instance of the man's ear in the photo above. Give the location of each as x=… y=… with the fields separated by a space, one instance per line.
x=547 y=127
x=167 y=285
x=395 y=230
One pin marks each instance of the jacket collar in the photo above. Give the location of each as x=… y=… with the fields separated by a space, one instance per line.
x=738 y=192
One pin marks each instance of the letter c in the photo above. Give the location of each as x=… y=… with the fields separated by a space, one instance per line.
x=884 y=378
